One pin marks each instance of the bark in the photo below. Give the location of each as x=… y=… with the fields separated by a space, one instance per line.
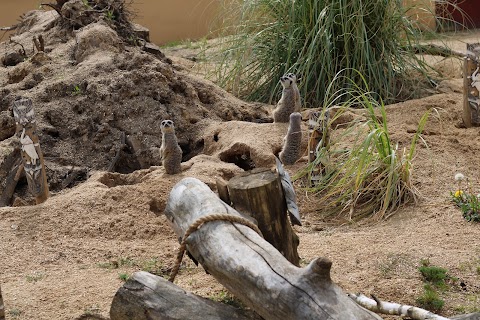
x=259 y=194
x=32 y=156
x=148 y=297
x=251 y=268
x=471 y=100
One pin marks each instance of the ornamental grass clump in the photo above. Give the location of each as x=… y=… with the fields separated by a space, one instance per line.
x=317 y=39
x=364 y=172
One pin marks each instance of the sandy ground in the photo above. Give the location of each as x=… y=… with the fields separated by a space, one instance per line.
x=65 y=258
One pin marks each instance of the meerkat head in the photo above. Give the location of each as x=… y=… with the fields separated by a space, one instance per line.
x=167 y=126
x=288 y=79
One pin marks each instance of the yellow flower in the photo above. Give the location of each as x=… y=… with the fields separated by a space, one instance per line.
x=458 y=193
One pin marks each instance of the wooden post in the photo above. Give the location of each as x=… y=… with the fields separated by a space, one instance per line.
x=471 y=88
x=31 y=154
x=148 y=297
x=259 y=194
x=251 y=268
x=318 y=137
x=2 y=306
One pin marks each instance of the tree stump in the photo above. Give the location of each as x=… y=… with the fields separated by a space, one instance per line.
x=259 y=194
x=251 y=268
x=148 y=297
x=33 y=163
x=2 y=307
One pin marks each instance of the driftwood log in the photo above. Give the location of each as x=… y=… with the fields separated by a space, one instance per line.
x=33 y=162
x=251 y=268
x=148 y=297
x=259 y=194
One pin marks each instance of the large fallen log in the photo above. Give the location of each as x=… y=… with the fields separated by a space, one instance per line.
x=251 y=268
x=148 y=297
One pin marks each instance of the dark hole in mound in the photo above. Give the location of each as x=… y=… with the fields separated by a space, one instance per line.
x=115 y=179
x=156 y=207
x=191 y=149
x=215 y=137
x=240 y=158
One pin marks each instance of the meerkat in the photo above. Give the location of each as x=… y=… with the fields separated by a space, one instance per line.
x=290 y=101
x=170 y=151
x=292 y=143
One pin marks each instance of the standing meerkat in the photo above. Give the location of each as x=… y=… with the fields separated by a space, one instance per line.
x=170 y=151
x=292 y=143
x=290 y=101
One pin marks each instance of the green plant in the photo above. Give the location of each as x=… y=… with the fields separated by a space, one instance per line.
x=110 y=15
x=317 y=39
x=434 y=275
x=430 y=299
x=466 y=200
x=123 y=276
x=369 y=175
x=76 y=90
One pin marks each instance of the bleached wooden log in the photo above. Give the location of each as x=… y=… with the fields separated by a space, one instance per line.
x=251 y=268
x=384 y=307
x=148 y=297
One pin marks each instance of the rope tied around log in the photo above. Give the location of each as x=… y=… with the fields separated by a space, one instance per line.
x=197 y=224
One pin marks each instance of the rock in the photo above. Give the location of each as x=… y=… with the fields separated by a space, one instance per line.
x=451 y=86
x=13 y=58
x=470 y=316
x=141 y=32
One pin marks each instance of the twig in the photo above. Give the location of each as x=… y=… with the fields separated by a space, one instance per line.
x=9 y=28
x=21 y=45
x=383 y=307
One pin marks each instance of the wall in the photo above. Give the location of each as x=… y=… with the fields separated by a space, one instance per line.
x=168 y=20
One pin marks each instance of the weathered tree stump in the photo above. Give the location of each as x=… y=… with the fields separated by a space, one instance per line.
x=148 y=297
x=259 y=194
x=2 y=306
x=251 y=268
x=471 y=88
x=33 y=163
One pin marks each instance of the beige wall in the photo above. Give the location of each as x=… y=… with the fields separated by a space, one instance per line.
x=422 y=11
x=168 y=20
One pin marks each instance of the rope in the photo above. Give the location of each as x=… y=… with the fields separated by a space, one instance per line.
x=197 y=224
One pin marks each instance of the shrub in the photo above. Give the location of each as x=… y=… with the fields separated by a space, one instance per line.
x=317 y=39
x=369 y=175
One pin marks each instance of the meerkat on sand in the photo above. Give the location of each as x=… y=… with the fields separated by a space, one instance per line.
x=170 y=151
x=292 y=143
x=290 y=101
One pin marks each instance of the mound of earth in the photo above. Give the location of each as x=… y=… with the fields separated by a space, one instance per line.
x=90 y=87
x=66 y=258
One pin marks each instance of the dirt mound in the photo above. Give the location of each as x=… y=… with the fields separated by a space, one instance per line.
x=91 y=86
